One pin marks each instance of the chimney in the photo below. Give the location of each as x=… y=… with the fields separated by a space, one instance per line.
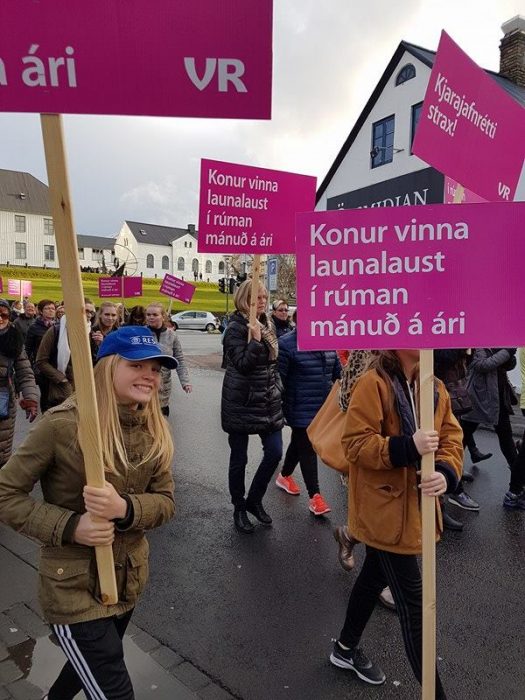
x=512 y=50
x=191 y=228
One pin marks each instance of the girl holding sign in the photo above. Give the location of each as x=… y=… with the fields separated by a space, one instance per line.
x=383 y=446
x=72 y=519
x=251 y=403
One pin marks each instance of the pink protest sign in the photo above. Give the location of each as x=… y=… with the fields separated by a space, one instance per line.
x=1 y=285
x=440 y=276
x=467 y=196
x=132 y=287
x=470 y=128
x=18 y=288
x=177 y=288
x=109 y=287
x=163 y=58
x=112 y=287
x=244 y=209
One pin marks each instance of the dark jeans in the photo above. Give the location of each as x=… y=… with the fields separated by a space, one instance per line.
x=300 y=451
x=401 y=573
x=272 y=444
x=95 y=660
x=517 y=471
x=503 y=430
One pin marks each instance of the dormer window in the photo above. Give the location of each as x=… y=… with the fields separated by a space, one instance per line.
x=406 y=73
x=142 y=232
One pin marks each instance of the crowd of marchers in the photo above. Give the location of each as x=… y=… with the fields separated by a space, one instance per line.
x=268 y=383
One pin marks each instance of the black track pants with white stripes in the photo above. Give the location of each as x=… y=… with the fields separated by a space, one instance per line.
x=95 y=660
x=401 y=573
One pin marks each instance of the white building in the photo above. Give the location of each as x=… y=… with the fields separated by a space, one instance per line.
x=375 y=166
x=27 y=234
x=153 y=250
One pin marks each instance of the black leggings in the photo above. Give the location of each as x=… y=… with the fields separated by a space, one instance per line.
x=300 y=450
x=95 y=660
x=503 y=430
x=401 y=573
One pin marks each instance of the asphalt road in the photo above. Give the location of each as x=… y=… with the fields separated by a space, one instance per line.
x=259 y=613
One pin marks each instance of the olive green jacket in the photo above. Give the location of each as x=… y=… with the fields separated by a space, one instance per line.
x=69 y=590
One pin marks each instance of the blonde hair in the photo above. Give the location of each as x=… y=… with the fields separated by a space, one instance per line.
x=113 y=446
x=243 y=296
x=158 y=305
x=106 y=305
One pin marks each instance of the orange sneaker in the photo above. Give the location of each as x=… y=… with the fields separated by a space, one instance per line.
x=287 y=483
x=318 y=506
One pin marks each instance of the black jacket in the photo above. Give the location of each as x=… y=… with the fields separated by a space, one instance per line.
x=251 y=391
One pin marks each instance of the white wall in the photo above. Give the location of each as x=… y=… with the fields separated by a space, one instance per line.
x=355 y=171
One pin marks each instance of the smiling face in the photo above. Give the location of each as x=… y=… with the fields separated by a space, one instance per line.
x=108 y=316
x=136 y=381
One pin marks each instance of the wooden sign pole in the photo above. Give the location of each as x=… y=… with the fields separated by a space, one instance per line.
x=89 y=426
x=428 y=517
x=256 y=271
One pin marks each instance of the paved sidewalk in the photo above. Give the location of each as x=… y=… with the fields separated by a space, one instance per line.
x=30 y=659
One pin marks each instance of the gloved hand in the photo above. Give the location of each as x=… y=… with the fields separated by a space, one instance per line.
x=30 y=407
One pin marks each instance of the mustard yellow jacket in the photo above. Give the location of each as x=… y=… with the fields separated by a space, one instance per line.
x=384 y=499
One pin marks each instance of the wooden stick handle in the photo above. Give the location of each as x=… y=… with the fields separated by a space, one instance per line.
x=89 y=427
x=428 y=516
x=256 y=271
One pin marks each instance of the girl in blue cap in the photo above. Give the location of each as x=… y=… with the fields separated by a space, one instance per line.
x=137 y=496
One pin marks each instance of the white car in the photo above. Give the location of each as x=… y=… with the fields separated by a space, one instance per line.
x=195 y=320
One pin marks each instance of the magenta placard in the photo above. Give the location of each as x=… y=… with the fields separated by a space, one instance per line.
x=1 y=285
x=439 y=276
x=177 y=288
x=109 y=287
x=467 y=196
x=162 y=58
x=470 y=128
x=244 y=209
x=132 y=287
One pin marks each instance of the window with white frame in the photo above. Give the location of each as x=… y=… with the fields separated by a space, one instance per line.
x=208 y=267
x=81 y=253
x=49 y=252
x=382 y=151
x=49 y=227
x=97 y=254
x=20 y=251
x=180 y=264
x=150 y=261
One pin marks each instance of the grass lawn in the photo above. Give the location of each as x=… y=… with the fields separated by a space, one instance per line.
x=47 y=285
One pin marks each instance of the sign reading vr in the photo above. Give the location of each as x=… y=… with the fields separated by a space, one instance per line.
x=167 y=58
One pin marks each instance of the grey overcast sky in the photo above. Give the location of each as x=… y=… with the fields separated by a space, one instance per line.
x=328 y=57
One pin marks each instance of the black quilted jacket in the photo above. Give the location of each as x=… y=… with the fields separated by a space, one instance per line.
x=251 y=391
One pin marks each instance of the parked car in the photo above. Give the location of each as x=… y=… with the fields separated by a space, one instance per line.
x=195 y=320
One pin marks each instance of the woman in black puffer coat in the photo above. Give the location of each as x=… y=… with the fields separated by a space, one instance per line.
x=251 y=403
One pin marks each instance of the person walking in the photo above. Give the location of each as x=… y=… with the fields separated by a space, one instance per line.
x=280 y=317
x=251 y=403
x=383 y=445
x=491 y=396
x=168 y=340
x=16 y=377
x=25 y=319
x=72 y=518
x=106 y=321
x=53 y=360
x=307 y=379
x=44 y=320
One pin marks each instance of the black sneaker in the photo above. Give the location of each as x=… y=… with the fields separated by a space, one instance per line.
x=477 y=456
x=258 y=511
x=355 y=660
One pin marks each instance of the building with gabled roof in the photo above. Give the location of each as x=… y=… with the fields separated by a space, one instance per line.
x=154 y=250
x=375 y=166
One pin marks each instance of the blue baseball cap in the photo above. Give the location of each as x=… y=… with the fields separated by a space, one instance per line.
x=135 y=343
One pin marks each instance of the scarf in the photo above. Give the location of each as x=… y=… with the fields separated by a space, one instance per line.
x=63 y=349
x=269 y=338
